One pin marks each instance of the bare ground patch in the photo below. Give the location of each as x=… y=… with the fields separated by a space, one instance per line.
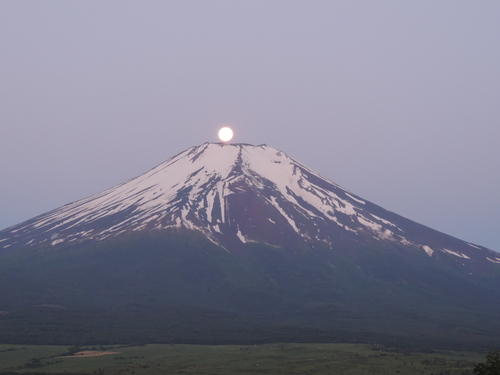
x=90 y=353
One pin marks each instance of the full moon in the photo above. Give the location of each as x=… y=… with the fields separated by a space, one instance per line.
x=225 y=134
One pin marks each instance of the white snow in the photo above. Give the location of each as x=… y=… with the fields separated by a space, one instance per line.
x=222 y=200
x=460 y=255
x=210 y=198
x=428 y=250
x=404 y=241
x=240 y=236
x=477 y=247
x=496 y=260
x=283 y=213
x=354 y=198
x=382 y=233
x=387 y=222
x=370 y=224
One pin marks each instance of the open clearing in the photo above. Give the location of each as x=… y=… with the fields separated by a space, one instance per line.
x=234 y=359
x=89 y=353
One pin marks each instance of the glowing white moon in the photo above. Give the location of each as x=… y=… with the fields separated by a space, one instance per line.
x=225 y=134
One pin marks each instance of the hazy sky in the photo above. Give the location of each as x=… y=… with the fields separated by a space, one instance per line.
x=396 y=101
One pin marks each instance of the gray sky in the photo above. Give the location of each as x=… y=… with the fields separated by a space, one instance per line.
x=396 y=101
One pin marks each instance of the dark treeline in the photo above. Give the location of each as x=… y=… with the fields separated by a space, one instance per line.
x=195 y=326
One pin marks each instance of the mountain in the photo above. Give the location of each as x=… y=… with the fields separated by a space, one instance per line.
x=243 y=238
x=237 y=193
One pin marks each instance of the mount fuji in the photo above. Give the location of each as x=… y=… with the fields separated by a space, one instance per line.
x=237 y=192
x=258 y=239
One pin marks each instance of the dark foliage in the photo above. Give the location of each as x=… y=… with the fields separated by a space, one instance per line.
x=491 y=366
x=167 y=288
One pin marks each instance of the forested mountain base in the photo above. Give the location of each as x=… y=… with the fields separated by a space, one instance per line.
x=183 y=325
x=187 y=290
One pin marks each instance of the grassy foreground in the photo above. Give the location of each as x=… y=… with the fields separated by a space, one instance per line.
x=234 y=359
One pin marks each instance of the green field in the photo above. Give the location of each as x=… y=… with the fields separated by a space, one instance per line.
x=235 y=359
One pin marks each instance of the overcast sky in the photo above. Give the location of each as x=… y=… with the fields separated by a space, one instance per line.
x=396 y=101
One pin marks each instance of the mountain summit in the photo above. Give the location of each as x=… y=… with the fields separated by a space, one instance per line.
x=236 y=193
x=240 y=243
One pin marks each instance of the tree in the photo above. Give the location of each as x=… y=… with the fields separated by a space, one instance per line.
x=491 y=366
x=73 y=349
x=33 y=363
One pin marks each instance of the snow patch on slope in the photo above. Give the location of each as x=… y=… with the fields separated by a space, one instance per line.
x=428 y=250
x=356 y=199
x=283 y=213
x=460 y=255
x=477 y=247
x=381 y=232
x=240 y=236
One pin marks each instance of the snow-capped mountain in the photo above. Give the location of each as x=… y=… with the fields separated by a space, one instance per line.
x=241 y=238
x=239 y=191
